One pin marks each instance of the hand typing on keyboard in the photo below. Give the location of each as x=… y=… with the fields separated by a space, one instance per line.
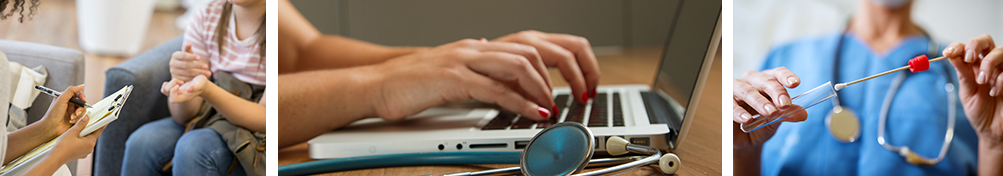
x=509 y=71
x=366 y=80
x=508 y=74
x=571 y=54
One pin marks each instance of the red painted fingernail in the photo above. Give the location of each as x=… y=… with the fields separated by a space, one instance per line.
x=594 y=93
x=585 y=96
x=483 y=39
x=555 y=108
x=543 y=111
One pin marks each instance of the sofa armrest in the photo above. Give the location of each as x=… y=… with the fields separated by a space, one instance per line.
x=146 y=72
x=65 y=66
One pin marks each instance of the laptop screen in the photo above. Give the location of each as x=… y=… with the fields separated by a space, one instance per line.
x=686 y=50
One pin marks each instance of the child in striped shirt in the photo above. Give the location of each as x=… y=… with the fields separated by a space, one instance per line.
x=225 y=38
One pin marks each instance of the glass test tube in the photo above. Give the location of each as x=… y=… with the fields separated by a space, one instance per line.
x=801 y=102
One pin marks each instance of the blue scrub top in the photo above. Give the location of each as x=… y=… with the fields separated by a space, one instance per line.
x=917 y=117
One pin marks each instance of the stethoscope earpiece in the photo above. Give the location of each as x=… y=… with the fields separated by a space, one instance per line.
x=669 y=163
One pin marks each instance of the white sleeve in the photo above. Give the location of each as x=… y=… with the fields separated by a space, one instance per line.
x=4 y=102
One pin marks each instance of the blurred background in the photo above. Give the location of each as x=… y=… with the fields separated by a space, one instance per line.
x=609 y=25
x=763 y=24
x=55 y=23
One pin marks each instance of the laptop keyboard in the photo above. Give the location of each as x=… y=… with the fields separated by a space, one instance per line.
x=598 y=115
x=598 y=110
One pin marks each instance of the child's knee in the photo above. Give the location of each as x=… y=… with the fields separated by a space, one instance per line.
x=202 y=142
x=156 y=134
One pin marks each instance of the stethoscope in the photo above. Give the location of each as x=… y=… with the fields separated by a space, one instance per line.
x=562 y=149
x=844 y=125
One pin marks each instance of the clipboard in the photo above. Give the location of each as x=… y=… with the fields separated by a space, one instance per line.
x=101 y=114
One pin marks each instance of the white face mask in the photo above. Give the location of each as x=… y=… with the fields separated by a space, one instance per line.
x=893 y=4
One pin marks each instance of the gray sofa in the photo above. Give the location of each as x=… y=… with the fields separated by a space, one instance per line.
x=65 y=66
x=146 y=72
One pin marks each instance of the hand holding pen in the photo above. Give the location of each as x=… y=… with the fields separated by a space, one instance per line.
x=62 y=114
x=55 y=93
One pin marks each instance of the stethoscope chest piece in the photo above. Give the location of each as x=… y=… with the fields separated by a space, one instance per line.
x=561 y=149
x=844 y=125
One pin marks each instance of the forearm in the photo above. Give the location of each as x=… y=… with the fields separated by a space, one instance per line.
x=183 y=111
x=746 y=161
x=304 y=48
x=331 y=52
x=26 y=139
x=990 y=157
x=52 y=161
x=314 y=102
x=237 y=110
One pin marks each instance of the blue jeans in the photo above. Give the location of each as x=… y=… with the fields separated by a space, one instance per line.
x=198 y=152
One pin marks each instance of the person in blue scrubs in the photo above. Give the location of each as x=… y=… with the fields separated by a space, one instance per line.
x=879 y=37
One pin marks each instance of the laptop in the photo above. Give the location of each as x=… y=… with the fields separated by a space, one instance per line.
x=657 y=115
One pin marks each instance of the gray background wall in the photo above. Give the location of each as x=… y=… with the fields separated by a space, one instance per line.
x=605 y=23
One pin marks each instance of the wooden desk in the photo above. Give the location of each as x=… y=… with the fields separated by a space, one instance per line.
x=700 y=152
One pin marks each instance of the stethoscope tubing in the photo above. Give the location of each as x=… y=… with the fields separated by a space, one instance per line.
x=450 y=158
x=511 y=170
x=655 y=156
x=890 y=96
x=408 y=159
x=951 y=120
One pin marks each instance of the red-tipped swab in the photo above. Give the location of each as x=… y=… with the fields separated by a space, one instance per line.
x=916 y=64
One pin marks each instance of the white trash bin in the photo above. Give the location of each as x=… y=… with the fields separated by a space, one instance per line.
x=113 y=27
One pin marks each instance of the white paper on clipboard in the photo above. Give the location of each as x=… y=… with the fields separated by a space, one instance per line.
x=106 y=110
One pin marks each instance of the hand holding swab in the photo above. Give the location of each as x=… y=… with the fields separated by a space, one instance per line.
x=917 y=64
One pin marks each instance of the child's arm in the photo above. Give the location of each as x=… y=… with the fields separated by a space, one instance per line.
x=237 y=110
x=193 y=60
x=181 y=111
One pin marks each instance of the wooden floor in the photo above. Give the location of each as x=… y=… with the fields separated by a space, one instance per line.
x=55 y=23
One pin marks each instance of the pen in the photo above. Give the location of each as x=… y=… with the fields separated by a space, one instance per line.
x=55 y=93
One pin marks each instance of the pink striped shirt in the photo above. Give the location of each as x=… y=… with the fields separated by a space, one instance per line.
x=239 y=57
